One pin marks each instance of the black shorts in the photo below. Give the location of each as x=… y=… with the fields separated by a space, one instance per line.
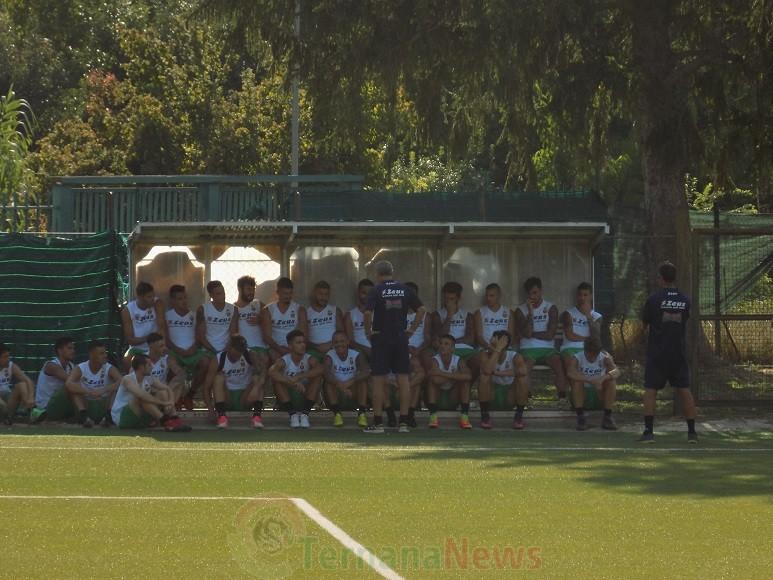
x=674 y=372
x=389 y=356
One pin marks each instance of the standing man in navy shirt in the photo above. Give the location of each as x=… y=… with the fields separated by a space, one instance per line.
x=386 y=310
x=665 y=318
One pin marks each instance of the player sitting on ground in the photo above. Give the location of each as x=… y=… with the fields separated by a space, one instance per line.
x=181 y=339
x=580 y=323
x=249 y=319
x=15 y=388
x=594 y=367
x=300 y=371
x=165 y=368
x=142 y=399
x=280 y=318
x=238 y=384
x=346 y=372
x=51 y=398
x=354 y=321
x=537 y=322
x=323 y=320
x=501 y=366
x=449 y=372
x=92 y=385
x=139 y=318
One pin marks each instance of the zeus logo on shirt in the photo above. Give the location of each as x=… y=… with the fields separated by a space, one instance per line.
x=283 y=323
x=140 y=318
x=180 y=323
x=495 y=320
x=673 y=305
x=218 y=320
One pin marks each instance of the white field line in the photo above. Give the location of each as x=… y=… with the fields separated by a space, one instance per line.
x=405 y=449
x=311 y=512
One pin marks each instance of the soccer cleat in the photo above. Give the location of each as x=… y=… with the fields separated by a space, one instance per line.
x=403 y=428
x=609 y=424
x=175 y=425
x=362 y=420
x=412 y=421
x=433 y=421
x=377 y=429
x=107 y=421
x=582 y=423
x=37 y=415
x=391 y=421
x=518 y=424
x=486 y=423
x=305 y=421
x=188 y=403
x=222 y=422
x=647 y=437
x=257 y=422
x=88 y=423
x=295 y=420
x=338 y=420
x=464 y=422
x=692 y=438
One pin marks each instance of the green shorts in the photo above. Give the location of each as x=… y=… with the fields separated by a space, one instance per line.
x=96 y=409
x=591 y=402
x=234 y=402
x=538 y=355
x=570 y=351
x=190 y=362
x=130 y=420
x=59 y=407
x=260 y=349
x=134 y=351
x=316 y=354
x=465 y=353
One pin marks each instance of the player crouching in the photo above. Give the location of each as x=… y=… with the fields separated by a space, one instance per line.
x=238 y=384
x=299 y=371
x=594 y=367
x=346 y=374
x=141 y=399
x=449 y=372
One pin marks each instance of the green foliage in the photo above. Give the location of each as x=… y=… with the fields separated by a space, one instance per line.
x=16 y=126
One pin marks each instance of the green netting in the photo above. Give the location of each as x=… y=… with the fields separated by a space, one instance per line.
x=55 y=286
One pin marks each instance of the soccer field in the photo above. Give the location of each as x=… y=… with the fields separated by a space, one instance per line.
x=424 y=505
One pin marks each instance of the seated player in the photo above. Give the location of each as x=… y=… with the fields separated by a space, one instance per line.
x=16 y=388
x=51 y=398
x=449 y=372
x=454 y=320
x=419 y=350
x=301 y=372
x=537 y=321
x=92 y=386
x=323 y=320
x=165 y=368
x=491 y=317
x=139 y=318
x=580 y=323
x=501 y=366
x=346 y=373
x=238 y=384
x=594 y=367
x=181 y=340
x=141 y=400
x=249 y=309
x=280 y=318
x=354 y=321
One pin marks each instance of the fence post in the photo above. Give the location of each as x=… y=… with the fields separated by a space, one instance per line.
x=717 y=287
x=63 y=210
x=696 y=326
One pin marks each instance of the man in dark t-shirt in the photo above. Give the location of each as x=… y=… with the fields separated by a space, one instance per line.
x=386 y=310
x=665 y=317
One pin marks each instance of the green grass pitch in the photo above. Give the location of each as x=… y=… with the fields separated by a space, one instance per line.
x=428 y=504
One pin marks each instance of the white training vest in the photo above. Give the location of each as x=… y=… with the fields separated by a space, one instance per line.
x=451 y=368
x=251 y=332
x=95 y=380
x=503 y=366
x=417 y=338
x=458 y=325
x=358 y=327
x=322 y=324
x=346 y=369
x=218 y=325
x=6 y=378
x=123 y=397
x=182 y=329
x=579 y=327
x=541 y=318
x=238 y=375
x=282 y=323
x=143 y=322
x=292 y=369
x=160 y=369
x=592 y=369
x=493 y=321
x=47 y=385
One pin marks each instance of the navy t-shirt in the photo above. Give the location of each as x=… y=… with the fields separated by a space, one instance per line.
x=390 y=302
x=667 y=312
